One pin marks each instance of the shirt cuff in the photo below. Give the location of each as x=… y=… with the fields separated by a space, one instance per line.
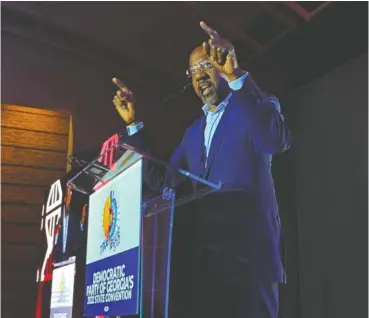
x=238 y=83
x=134 y=129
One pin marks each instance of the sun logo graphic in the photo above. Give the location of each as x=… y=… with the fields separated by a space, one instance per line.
x=110 y=226
x=61 y=287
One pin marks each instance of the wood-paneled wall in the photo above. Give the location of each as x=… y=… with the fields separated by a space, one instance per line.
x=34 y=145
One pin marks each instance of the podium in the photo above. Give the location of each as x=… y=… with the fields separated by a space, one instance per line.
x=129 y=240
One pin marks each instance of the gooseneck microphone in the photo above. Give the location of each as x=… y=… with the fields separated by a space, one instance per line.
x=170 y=97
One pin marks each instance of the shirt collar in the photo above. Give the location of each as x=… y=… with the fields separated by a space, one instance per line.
x=219 y=108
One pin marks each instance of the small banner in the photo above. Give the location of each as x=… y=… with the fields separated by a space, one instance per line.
x=113 y=246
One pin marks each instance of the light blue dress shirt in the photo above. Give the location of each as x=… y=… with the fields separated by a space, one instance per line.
x=134 y=129
x=213 y=117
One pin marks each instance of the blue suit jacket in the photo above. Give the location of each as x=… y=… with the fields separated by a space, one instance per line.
x=249 y=132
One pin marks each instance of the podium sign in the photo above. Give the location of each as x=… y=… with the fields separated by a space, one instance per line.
x=113 y=246
x=62 y=289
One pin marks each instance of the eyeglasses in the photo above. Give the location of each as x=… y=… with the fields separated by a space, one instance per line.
x=203 y=65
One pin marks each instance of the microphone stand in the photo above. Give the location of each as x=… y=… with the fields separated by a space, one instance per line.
x=170 y=97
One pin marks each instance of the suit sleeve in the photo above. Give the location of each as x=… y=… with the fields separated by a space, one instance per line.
x=177 y=161
x=157 y=176
x=270 y=132
x=153 y=174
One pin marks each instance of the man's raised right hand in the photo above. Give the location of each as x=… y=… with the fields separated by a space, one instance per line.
x=124 y=102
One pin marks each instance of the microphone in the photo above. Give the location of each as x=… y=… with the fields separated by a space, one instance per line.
x=170 y=97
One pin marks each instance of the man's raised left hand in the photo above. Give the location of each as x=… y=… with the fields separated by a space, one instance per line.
x=221 y=54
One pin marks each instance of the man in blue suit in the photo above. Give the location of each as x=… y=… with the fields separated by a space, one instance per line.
x=237 y=264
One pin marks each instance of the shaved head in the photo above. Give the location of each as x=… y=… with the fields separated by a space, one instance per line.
x=199 y=50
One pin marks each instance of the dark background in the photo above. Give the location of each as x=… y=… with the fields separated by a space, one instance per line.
x=63 y=56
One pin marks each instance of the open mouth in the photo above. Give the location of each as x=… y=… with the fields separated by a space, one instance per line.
x=206 y=88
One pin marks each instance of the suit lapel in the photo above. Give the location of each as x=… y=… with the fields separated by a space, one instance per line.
x=218 y=137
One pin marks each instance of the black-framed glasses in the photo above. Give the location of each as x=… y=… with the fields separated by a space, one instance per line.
x=203 y=65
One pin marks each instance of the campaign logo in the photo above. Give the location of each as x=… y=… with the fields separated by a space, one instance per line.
x=110 y=224
x=61 y=288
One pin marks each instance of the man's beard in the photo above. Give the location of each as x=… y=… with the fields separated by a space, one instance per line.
x=210 y=99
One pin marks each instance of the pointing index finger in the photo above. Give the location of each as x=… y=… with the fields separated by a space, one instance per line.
x=120 y=84
x=211 y=32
